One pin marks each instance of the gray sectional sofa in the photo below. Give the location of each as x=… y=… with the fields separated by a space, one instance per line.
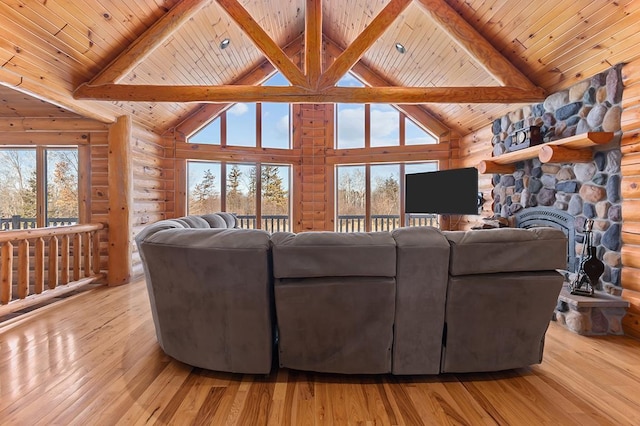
x=411 y=301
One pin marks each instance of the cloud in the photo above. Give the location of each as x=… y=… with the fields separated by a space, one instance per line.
x=351 y=127
x=385 y=127
x=238 y=109
x=282 y=125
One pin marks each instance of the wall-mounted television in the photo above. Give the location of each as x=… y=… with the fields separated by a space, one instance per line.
x=452 y=191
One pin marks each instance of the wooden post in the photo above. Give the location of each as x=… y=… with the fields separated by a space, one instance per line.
x=120 y=202
x=6 y=272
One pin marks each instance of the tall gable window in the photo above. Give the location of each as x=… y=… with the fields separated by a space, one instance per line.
x=374 y=125
x=262 y=124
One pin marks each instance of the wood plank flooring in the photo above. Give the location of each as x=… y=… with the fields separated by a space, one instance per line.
x=93 y=359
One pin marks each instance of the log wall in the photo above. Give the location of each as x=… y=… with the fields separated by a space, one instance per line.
x=313 y=178
x=630 y=191
x=468 y=151
x=153 y=195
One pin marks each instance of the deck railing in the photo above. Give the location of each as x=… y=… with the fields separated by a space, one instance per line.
x=383 y=222
x=346 y=223
x=37 y=264
x=18 y=222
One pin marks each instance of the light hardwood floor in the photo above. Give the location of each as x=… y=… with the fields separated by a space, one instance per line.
x=92 y=359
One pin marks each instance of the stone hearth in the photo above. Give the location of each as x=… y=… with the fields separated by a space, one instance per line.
x=590 y=316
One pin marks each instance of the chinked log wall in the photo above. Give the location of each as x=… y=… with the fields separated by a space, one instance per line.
x=630 y=190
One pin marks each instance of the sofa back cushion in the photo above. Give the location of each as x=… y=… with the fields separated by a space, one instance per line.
x=506 y=250
x=333 y=254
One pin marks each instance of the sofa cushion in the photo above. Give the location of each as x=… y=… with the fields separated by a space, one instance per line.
x=195 y=222
x=421 y=287
x=506 y=250
x=336 y=324
x=333 y=254
x=215 y=220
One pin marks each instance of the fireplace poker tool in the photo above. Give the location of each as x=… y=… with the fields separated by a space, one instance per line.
x=590 y=267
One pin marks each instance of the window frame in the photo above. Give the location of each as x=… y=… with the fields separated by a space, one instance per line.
x=42 y=180
x=225 y=166
x=368 y=186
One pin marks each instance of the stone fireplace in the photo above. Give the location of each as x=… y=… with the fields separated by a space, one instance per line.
x=565 y=195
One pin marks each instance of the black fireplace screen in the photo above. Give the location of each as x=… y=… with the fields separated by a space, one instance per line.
x=549 y=216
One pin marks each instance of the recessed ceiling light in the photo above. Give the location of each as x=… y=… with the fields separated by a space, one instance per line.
x=225 y=43
x=400 y=48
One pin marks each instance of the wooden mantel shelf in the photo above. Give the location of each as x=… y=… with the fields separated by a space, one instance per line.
x=576 y=149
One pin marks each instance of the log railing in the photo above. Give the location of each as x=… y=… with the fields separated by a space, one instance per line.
x=37 y=264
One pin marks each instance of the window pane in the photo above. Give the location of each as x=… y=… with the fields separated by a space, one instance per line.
x=348 y=80
x=209 y=134
x=385 y=125
x=351 y=201
x=277 y=80
x=204 y=187
x=62 y=187
x=18 y=188
x=241 y=125
x=275 y=125
x=385 y=197
x=431 y=166
x=414 y=135
x=275 y=197
x=349 y=126
x=241 y=193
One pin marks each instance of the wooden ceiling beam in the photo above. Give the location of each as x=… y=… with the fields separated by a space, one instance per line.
x=313 y=41
x=487 y=56
x=264 y=42
x=48 y=94
x=362 y=43
x=144 y=45
x=294 y=94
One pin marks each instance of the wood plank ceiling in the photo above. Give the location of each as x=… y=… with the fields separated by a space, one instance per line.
x=49 y=49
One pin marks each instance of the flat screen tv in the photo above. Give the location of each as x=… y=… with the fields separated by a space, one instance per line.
x=452 y=191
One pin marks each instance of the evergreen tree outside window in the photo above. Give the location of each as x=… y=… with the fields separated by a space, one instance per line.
x=21 y=187
x=243 y=192
x=204 y=187
x=62 y=186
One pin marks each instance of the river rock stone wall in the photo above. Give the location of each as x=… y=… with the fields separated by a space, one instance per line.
x=585 y=190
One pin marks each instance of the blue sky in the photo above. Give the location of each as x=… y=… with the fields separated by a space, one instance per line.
x=241 y=123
